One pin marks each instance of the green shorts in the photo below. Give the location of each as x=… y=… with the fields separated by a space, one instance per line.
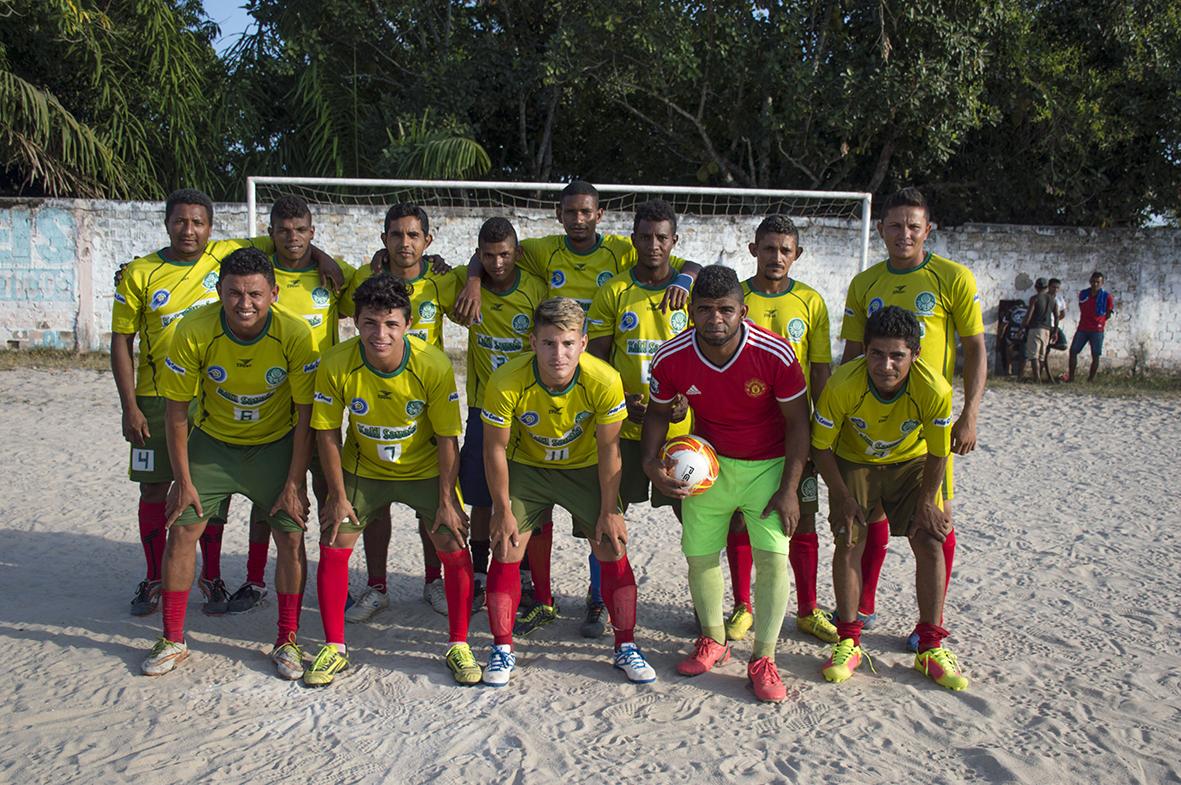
x=257 y=471
x=634 y=486
x=369 y=496
x=744 y=486
x=150 y=462
x=895 y=486
x=533 y=491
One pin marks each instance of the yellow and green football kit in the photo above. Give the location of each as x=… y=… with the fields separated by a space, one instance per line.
x=502 y=331
x=798 y=314
x=553 y=430
x=569 y=273
x=301 y=294
x=432 y=296
x=629 y=312
x=245 y=389
x=394 y=417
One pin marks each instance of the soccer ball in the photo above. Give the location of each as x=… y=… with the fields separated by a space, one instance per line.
x=693 y=460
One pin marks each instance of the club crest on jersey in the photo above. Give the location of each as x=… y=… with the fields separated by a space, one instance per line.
x=796 y=329
x=415 y=407
x=275 y=376
x=602 y=278
x=217 y=374
x=924 y=304
x=521 y=323
x=210 y=280
x=858 y=423
x=359 y=406
x=909 y=426
x=755 y=388
x=629 y=321
x=159 y=299
x=653 y=385
x=808 y=489
x=320 y=297
x=427 y=311
x=529 y=419
x=678 y=320
x=875 y=305
x=557 y=279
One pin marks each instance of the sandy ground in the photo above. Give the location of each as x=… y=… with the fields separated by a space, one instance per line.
x=1068 y=528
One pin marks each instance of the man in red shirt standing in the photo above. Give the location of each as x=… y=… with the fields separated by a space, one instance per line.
x=747 y=392
x=1095 y=307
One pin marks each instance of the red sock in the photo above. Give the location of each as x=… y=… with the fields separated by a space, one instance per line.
x=948 y=560
x=741 y=565
x=876 y=542
x=211 y=550
x=153 y=536
x=332 y=588
x=256 y=562
x=289 y=608
x=458 y=585
x=173 y=605
x=930 y=636
x=849 y=629
x=619 y=595
x=503 y=595
x=804 y=554
x=539 y=549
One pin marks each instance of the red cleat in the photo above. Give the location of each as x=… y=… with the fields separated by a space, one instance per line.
x=706 y=653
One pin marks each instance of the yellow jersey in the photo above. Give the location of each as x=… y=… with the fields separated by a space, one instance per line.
x=157 y=292
x=244 y=389
x=569 y=273
x=939 y=292
x=629 y=312
x=553 y=430
x=502 y=331
x=301 y=294
x=393 y=417
x=433 y=296
x=867 y=428
x=798 y=314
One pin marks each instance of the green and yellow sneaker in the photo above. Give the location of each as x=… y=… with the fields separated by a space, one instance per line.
x=537 y=617
x=739 y=623
x=464 y=668
x=941 y=667
x=818 y=625
x=327 y=664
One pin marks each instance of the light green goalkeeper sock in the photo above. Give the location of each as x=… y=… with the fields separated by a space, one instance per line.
x=772 y=590
x=705 y=585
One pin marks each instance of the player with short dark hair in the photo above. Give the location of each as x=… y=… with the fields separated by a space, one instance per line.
x=402 y=446
x=1095 y=307
x=942 y=295
x=748 y=396
x=881 y=436
x=250 y=369
x=551 y=436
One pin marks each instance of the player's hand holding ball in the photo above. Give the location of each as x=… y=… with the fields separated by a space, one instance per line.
x=691 y=463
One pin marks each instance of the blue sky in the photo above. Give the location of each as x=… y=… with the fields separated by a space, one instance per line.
x=231 y=17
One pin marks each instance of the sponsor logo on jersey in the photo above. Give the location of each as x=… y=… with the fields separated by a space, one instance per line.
x=692 y=390
x=415 y=407
x=419 y=334
x=580 y=266
x=875 y=305
x=848 y=312
x=924 y=304
x=245 y=362
x=496 y=419
x=174 y=367
x=557 y=279
x=386 y=433
x=755 y=387
x=275 y=376
x=602 y=278
x=565 y=439
x=642 y=347
x=821 y=419
x=313 y=365
x=678 y=321
x=159 y=299
x=314 y=320
x=217 y=373
x=583 y=416
x=857 y=423
x=496 y=344
x=900 y=288
x=244 y=400
x=120 y=298
x=796 y=329
x=521 y=323
x=359 y=406
x=320 y=397
x=942 y=422
x=808 y=489
x=427 y=311
x=210 y=280
x=628 y=322
x=385 y=395
x=453 y=396
x=909 y=426
x=616 y=409
x=169 y=318
x=529 y=419
x=321 y=297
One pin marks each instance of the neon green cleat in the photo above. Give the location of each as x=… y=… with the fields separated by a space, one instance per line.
x=845 y=658
x=464 y=668
x=818 y=625
x=941 y=667
x=739 y=623
x=537 y=617
x=327 y=664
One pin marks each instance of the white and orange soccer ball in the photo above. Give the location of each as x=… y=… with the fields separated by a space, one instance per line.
x=692 y=460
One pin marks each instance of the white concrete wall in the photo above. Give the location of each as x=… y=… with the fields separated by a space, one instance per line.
x=57 y=258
